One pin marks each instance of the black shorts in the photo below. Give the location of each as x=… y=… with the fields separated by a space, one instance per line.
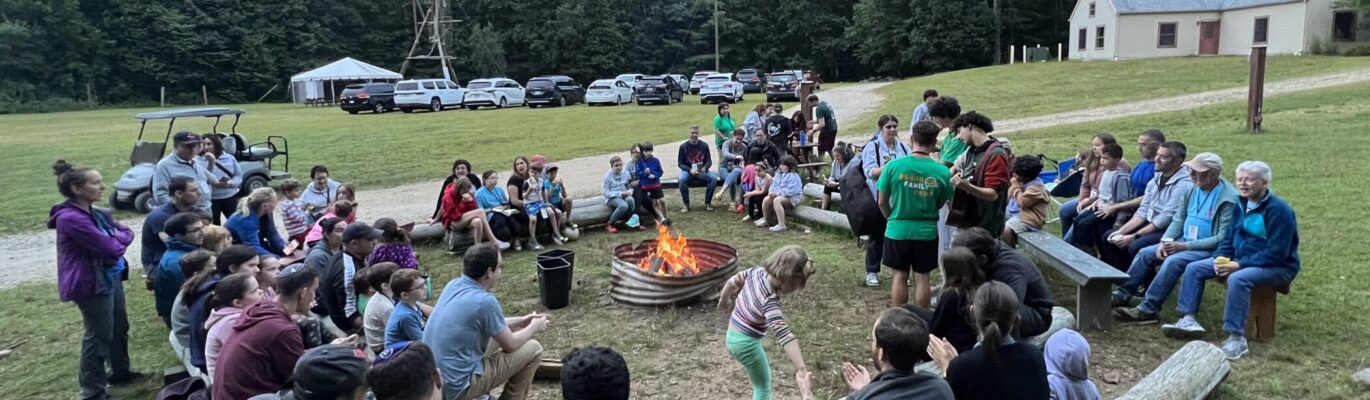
x=917 y=255
x=831 y=190
x=654 y=193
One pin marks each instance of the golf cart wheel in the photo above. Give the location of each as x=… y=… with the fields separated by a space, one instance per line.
x=254 y=182
x=435 y=105
x=379 y=108
x=144 y=202
x=503 y=102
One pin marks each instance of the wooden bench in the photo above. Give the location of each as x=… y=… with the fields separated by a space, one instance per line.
x=815 y=170
x=1260 y=318
x=1094 y=278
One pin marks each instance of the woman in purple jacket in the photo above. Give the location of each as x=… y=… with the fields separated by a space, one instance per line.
x=91 y=272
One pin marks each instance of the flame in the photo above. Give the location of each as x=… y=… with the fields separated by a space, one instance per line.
x=674 y=254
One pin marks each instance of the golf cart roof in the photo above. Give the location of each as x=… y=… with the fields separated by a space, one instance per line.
x=189 y=112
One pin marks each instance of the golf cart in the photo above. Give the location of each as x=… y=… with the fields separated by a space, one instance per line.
x=134 y=188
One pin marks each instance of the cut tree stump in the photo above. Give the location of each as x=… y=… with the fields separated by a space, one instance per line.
x=1191 y=373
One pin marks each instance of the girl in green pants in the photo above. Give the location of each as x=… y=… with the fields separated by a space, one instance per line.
x=757 y=294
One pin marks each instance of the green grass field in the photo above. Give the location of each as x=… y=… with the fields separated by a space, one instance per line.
x=678 y=353
x=387 y=150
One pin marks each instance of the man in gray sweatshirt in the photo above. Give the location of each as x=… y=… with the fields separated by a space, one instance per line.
x=182 y=162
x=1164 y=195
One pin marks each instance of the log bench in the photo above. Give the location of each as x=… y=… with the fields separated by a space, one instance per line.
x=587 y=212
x=815 y=190
x=1191 y=373
x=1260 y=318
x=1094 y=279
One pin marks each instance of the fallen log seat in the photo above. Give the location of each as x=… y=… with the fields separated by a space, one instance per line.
x=586 y=213
x=1061 y=318
x=819 y=216
x=1094 y=279
x=814 y=190
x=1260 y=318
x=1191 y=373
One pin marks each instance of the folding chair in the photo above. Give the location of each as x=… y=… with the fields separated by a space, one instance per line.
x=1063 y=182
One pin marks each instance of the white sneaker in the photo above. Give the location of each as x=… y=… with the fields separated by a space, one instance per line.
x=761 y=223
x=534 y=245
x=1185 y=328
x=1234 y=347
x=872 y=279
x=685 y=209
x=778 y=228
x=503 y=245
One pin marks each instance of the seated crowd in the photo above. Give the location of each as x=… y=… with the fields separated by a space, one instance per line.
x=333 y=308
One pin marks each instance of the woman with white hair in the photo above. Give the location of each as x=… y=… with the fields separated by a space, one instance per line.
x=1262 y=250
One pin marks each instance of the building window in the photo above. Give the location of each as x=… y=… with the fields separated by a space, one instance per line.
x=1262 y=30
x=1344 y=26
x=1165 y=34
x=1083 y=33
x=1099 y=37
x=1091 y=9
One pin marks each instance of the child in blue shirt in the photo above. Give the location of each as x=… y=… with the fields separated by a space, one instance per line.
x=649 y=179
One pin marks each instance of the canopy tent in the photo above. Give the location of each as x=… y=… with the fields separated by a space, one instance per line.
x=309 y=85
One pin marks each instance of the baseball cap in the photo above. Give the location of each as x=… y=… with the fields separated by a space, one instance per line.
x=329 y=371
x=186 y=137
x=1205 y=161
x=537 y=158
x=360 y=231
x=550 y=166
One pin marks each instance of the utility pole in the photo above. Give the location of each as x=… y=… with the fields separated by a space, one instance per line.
x=717 y=67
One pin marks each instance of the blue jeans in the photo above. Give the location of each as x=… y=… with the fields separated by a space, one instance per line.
x=731 y=178
x=1068 y=215
x=1119 y=257
x=1171 y=270
x=875 y=251
x=1087 y=230
x=710 y=181
x=623 y=208
x=1239 y=285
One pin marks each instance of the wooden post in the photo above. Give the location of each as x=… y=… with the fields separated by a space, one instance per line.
x=90 y=95
x=1010 y=54
x=163 y=96
x=1024 y=55
x=204 y=92
x=1255 y=96
x=1059 y=54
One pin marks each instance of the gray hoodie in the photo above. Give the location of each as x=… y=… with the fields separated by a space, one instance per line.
x=1161 y=201
x=170 y=167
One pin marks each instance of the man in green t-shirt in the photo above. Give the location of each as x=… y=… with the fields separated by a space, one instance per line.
x=825 y=123
x=912 y=191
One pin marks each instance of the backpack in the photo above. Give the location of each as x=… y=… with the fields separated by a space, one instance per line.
x=857 y=200
x=965 y=209
x=191 y=388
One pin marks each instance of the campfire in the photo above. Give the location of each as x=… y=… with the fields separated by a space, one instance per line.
x=670 y=270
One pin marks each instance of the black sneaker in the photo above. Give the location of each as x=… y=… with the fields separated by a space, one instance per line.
x=131 y=377
x=1120 y=300
x=1133 y=314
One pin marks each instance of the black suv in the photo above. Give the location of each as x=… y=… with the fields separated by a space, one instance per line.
x=658 y=88
x=781 y=85
x=557 y=90
x=377 y=97
x=751 y=79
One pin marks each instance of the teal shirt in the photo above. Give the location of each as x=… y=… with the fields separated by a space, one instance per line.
x=917 y=187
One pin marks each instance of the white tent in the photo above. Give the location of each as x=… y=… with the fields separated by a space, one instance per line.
x=309 y=84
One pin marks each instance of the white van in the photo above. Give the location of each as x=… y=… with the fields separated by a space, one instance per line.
x=428 y=94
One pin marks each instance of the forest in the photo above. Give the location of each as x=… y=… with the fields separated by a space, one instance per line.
x=61 y=54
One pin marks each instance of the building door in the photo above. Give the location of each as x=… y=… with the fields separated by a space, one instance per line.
x=1208 y=37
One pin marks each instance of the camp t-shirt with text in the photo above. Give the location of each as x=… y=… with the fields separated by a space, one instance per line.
x=917 y=187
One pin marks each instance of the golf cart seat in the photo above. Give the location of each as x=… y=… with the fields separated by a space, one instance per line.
x=237 y=145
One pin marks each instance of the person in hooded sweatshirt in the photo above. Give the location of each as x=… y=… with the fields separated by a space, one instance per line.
x=90 y=273
x=900 y=342
x=184 y=234
x=198 y=290
x=235 y=293
x=1067 y=358
x=266 y=343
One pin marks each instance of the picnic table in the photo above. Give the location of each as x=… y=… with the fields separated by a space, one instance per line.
x=805 y=154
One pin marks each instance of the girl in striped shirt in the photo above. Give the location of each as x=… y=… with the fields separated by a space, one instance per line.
x=757 y=294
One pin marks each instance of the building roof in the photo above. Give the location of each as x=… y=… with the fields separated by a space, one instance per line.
x=1182 y=6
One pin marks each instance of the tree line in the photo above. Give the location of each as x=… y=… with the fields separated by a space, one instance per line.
x=64 y=52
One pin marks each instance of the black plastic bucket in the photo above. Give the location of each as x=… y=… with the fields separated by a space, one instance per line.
x=555 y=273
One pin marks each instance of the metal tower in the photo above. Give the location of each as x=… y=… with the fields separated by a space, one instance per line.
x=430 y=18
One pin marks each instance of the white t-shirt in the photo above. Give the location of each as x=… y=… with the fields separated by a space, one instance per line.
x=378 y=311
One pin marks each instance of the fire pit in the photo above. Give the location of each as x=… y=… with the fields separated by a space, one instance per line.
x=670 y=271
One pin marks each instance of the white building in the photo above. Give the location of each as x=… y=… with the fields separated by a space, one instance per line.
x=1130 y=29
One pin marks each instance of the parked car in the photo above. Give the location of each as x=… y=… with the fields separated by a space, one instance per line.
x=609 y=91
x=496 y=92
x=784 y=84
x=430 y=94
x=719 y=88
x=557 y=90
x=630 y=79
x=260 y=163
x=377 y=97
x=683 y=81
x=751 y=79
x=697 y=80
x=658 y=89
